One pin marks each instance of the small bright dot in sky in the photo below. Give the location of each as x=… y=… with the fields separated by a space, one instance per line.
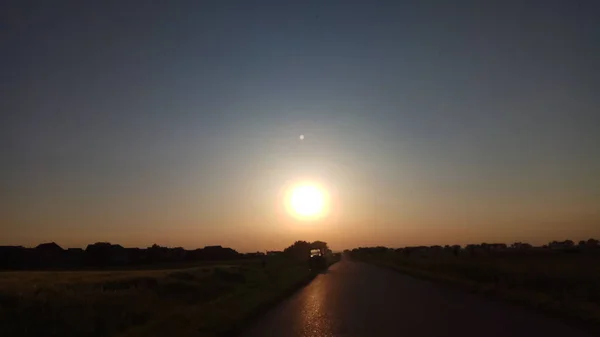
x=301 y=137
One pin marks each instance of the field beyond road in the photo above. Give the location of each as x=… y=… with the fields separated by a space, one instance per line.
x=210 y=300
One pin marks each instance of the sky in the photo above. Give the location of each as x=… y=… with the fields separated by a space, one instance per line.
x=178 y=122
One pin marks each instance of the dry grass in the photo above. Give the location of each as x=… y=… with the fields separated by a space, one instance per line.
x=203 y=301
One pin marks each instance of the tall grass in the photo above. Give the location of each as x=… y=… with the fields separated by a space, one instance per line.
x=203 y=301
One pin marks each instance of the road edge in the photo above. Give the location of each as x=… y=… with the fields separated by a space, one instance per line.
x=266 y=306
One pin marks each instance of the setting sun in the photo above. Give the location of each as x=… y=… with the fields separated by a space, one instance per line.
x=307 y=201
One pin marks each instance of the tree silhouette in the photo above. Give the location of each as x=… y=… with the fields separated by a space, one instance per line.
x=300 y=250
x=322 y=246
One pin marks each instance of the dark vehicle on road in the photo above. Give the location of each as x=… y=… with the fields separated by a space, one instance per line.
x=317 y=261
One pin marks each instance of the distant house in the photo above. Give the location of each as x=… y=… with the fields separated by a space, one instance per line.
x=51 y=248
x=157 y=253
x=49 y=255
x=9 y=249
x=118 y=255
x=75 y=257
x=207 y=253
x=136 y=255
x=12 y=257
x=219 y=253
x=105 y=254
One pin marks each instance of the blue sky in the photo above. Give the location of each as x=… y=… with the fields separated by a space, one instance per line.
x=178 y=123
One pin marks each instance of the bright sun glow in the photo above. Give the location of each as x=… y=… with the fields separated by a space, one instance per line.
x=307 y=201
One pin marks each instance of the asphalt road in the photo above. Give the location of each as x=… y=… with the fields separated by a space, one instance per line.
x=355 y=299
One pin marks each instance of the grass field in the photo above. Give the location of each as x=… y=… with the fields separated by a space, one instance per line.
x=213 y=300
x=564 y=284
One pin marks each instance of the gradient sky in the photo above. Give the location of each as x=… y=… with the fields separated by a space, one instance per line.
x=177 y=122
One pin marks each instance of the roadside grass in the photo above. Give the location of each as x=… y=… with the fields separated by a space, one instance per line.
x=565 y=285
x=216 y=300
x=203 y=301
